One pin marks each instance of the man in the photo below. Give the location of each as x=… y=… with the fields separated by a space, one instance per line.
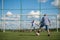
x=44 y=22
x=33 y=25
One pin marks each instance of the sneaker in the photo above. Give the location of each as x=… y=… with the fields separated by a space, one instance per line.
x=48 y=34
x=37 y=34
x=38 y=31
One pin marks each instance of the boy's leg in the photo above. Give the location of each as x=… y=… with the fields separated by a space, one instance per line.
x=39 y=30
x=48 y=32
x=47 y=28
x=34 y=29
x=31 y=28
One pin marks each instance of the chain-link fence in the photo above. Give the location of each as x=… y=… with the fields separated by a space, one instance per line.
x=18 y=14
x=26 y=22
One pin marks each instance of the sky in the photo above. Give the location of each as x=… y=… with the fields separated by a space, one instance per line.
x=45 y=6
x=14 y=8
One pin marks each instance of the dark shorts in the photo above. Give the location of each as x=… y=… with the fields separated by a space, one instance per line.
x=46 y=26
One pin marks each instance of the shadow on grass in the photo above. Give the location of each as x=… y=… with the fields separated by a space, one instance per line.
x=26 y=35
x=31 y=35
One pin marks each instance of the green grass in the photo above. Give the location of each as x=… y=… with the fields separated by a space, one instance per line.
x=28 y=36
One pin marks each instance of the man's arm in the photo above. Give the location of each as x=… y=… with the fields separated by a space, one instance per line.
x=49 y=22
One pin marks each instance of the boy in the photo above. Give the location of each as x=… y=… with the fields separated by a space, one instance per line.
x=33 y=26
x=44 y=22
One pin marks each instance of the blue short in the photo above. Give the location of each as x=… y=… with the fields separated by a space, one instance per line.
x=46 y=26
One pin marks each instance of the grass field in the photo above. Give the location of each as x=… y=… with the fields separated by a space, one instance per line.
x=28 y=36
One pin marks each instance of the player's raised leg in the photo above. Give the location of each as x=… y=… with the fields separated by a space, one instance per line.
x=38 y=31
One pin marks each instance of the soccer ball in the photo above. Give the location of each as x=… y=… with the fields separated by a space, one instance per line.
x=37 y=34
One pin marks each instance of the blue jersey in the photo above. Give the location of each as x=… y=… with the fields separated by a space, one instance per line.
x=45 y=20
